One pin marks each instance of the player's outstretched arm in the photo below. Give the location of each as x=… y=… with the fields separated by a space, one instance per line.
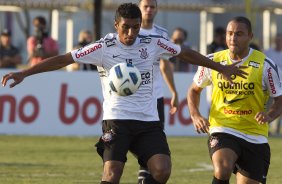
x=193 y=57
x=50 y=64
x=200 y=123
x=274 y=112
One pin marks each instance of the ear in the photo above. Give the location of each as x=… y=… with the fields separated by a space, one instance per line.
x=116 y=25
x=251 y=35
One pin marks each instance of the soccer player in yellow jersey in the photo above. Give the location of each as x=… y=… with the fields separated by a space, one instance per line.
x=238 y=121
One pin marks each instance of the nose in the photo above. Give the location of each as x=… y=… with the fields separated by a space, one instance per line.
x=130 y=32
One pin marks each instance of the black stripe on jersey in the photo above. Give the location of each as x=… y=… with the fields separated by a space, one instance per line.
x=151 y=36
x=210 y=56
x=160 y=28
x=100 y=41
x=274 y=66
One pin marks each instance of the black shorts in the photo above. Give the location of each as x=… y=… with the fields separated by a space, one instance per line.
x=253 y=159
x=161 y=110
x=143 y=139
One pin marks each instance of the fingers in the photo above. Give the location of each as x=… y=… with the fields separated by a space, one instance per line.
x=242 y=74
x=262 y=118
x=9 y=76
x=13 y=84
x=202 y=126
x=173 y=105
x=5 y=78
x=173 y=110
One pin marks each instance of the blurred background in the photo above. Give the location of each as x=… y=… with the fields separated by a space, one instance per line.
x=66 y=18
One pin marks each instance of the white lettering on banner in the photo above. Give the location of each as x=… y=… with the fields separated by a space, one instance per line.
x=73 y=107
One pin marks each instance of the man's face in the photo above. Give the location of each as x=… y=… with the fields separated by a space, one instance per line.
x=178 y=37
x=148 y=9
x=128 y=30
x=237 y=37
x=5 y=40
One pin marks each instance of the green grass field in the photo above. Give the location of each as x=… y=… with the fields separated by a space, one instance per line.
x=73 y=160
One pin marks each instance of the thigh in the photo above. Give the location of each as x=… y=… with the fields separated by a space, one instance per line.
x=224 y=151
x=254 y=161
x=220 y=141
x=116 y=140
x=151 y=141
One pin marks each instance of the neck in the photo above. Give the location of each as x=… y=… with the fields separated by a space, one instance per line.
x=147 y=24
x=239 y=56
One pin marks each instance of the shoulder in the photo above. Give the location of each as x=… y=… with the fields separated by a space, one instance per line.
x=161 y=31
x=269 y=62
x=220 y=54
x=109 y=40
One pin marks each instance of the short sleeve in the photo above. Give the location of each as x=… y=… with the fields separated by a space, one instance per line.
x=202 y=77
x=166 y=47
x=90 y=54
x=272 y=81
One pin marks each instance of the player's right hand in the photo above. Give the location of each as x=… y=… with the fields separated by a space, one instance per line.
x=201 y=124
x=18 y=77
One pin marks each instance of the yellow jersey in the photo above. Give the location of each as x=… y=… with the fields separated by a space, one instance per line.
x=235 y=106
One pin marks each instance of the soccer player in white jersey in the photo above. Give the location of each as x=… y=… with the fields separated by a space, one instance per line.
x=131 y=121
x=238 y=120
x=161 y=68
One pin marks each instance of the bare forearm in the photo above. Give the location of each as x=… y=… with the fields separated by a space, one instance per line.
x=168 y=75
x=50 y=64
x=193 y=101
x=275 y=110
x=190 y=56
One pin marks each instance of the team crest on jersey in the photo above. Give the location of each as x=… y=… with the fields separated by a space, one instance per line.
x=145 y=40
x=144 y=54
x=254 y=64
x=213 y=142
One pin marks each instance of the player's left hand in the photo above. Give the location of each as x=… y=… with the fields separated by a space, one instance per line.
x=262 y=118
x=234 y=70
x=173 y=104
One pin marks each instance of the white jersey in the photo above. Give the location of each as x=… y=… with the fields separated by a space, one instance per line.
x=109 y=51
x=271 y=81
x=158 y=80
x=276 y=56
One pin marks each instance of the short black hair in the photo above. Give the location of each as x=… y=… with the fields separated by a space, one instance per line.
x=41 y=20
x=183 y=31
x=243 y=20
x=219 y=31
x=129 y=11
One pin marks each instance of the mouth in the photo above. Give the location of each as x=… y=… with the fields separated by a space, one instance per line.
x=130 y=39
